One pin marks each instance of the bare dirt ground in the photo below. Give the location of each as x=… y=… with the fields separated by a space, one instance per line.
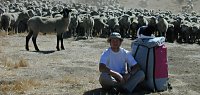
x=74 y=71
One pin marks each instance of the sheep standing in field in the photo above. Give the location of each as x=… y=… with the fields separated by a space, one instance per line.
x=73 y=25
x=38 y=24
x=100 y=23
x=21 y=22
x=113 y=23
x=8 y=21
x=162 y=26
x=88 y=25
x=124 y=23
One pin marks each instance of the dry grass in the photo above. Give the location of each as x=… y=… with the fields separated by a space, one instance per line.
x=73 y=79
x=8 y=63
x=11 y=33
x=17 y=86
x=74 y=83
x=78 y=84
x=3 y=33
x=0 y=49
x=4 y=42
x=70 y=80
x=22 y=63
x=73 y=71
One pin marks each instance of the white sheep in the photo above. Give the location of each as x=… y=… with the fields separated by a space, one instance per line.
x=43 y=24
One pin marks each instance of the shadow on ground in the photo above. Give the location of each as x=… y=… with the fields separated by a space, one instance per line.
x=100 y=91
x=45 y=52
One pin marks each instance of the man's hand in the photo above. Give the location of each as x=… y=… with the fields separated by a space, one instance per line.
x=126 y=77
x=117 y=76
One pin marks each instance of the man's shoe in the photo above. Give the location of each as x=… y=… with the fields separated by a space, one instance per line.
x=123 y=90
x=114 y=91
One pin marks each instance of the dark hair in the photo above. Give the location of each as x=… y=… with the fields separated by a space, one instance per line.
x=148 y=30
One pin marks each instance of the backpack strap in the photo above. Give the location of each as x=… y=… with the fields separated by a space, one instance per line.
x=154 y=79
x=136 y=51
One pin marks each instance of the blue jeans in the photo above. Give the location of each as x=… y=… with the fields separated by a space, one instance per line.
x=108 y=81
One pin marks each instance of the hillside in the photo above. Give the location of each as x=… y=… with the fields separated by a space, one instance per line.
x=172 y=5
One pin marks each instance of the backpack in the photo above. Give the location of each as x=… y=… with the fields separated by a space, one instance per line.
x=151 y=54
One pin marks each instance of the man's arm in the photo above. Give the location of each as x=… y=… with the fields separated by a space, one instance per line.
x=103 y=68
x=134 y=69
x=116 y=75
x=134 y=66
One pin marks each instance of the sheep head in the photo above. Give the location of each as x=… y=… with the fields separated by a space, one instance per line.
x=65 y=12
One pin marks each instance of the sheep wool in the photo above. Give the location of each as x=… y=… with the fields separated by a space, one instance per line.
x=38 y=24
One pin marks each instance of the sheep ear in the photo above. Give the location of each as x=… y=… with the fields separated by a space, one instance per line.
x=69 y=10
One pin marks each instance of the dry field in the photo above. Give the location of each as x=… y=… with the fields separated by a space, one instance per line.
x=74 y=71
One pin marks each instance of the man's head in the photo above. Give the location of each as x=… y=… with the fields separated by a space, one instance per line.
x=148 y=31
x=115 y=41
x=145 y=31
x=115 y=35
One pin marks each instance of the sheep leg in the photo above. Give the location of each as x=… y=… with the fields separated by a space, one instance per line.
x=57 y=47
x=90 y=33
x=27 y=40
x=61 y=39
x=74 y=32
x=34 y=43
x=86 y=33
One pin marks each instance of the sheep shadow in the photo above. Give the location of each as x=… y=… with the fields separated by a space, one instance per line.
x=45 y=52
x=80 y=38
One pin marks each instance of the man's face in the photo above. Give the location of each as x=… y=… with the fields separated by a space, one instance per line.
x=115 y=43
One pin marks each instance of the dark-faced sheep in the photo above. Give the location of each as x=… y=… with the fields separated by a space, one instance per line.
x=124 y=23
x=100 y=23
x=113 y=23
x=21 y=22
x=73 y=25
x=43 y=24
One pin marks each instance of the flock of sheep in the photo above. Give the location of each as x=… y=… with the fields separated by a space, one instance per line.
x=95 y=19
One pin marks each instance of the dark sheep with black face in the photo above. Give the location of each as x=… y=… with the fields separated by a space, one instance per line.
x=38 y=24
